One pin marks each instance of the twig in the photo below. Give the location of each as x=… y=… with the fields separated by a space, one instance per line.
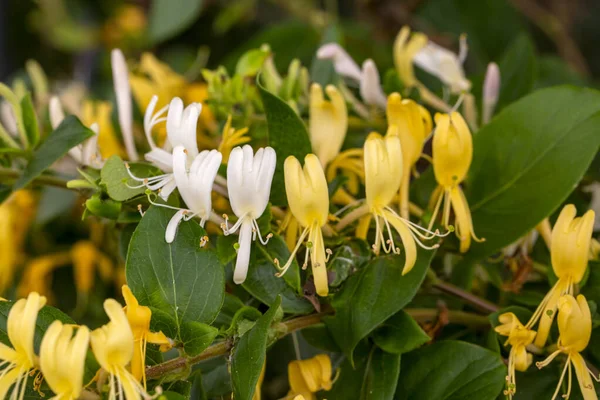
x=7 y=174
x=475 y=301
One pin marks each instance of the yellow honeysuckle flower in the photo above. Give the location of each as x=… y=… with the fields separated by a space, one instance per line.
x=569 y=251
x=452 y=155
x=139 y=321
x=231 y=138
x=99 y=112
x=16 y=214
x=86 y=259
x=257 y=390
x=328 y=122
x=19 y=360
x=308 y=198
x=413 y=123
x=37 y=276
x=113 y=346
x=62 y=359
x=307 y=377
x=519 y=337
x=350 y=164
x=575 y=329
x=406 y=46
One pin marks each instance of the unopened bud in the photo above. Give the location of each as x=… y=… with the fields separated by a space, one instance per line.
x=491 y=90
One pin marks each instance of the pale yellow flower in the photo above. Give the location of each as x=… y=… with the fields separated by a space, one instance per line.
x=230 y=138
x=328 y=122
x=308 y=199
x=18 y=361
x=99 y=112
x=307 y=377
x=62 y=359
x=406 y=47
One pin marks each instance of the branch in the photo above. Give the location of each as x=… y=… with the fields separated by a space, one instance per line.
x=48 y=180
x=475 y=301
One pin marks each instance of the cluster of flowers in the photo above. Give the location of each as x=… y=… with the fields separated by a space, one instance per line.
x=570 y=248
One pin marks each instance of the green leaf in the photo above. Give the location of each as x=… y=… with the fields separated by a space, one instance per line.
x=103 y=207
x=320 y=337
x=196 y=337
x=168 y=18
x=69 y=134
x=30 y=121
x=518 y=71
x=371 y=296
x=400 y=334
x=182 y=279
x=287 y=136
x=322 y=71
x=528 y=160
x=118 y=182
x=262 y=283
x=451 y=370
x=351 y=255
x=171 y=396
x=248 y=355
x=251 y=62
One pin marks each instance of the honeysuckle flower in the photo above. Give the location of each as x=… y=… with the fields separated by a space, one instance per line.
x=194 y=184
x=445 y=65
x=62 y=359
x=181 y=131
x=308 y=198
x=87 y=260
x=230 y=138
x=569 y=252
x=18 y=361
x=452 y=155
x=575 y=329
x=413 y=126
x=350 y=164
x=37 y=276
x=406 y=47
x=99 y=112
x=257 y=390
x=491 y=91
x=328 y=122
x=307 y=377
x=519 y=337
x=113 y=347
x=139 y=320
x=249 y=178
x=123 y=96
x=367 y=78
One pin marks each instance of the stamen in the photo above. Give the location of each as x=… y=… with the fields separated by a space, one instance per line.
x=328 y=254
x=257 y=229
x=139 y=207
x=292 y=255
x=542 y=364
x=203 y=240
x=562 y=377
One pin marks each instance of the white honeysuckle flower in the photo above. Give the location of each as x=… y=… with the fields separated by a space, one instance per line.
x=491 y=91
x=367 y=77
x=123 y=95
x=194 y=177
x=181 y=131
x=86 y=153
x=445 y=64
x=249 y=178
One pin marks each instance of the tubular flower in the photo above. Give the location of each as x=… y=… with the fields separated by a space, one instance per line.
x=86 y=259
x=249 y=178
x=195 y=186
x=139 y=321
x=231 y=138
x=19 y=360
x=100 y=112
x=569 y=255
x=413 y=126
x=181 y=130
x=257 y=389
x=62 y=359
x=367 y=77
x=519 y=337
x=309 y=376
x=308 y=198
x=113 y=347
x=328 y=122
x=452 y=155
x=575 y=329
x=406 y=48
x=349 y=163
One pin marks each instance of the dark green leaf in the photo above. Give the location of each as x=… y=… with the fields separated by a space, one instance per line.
x=119 y=183
x=196 y=337
x=230 y=306
x=347 y=259
x=319 y=336
x=248 y=355
x=518 y=71
x=215 y=377
x=167 y=18
x=451 y=370
x=528 y=160
x=182 y=279
x=372 y=295
x=30 y=121
x=171 y=396
x=400 y=334
x=69 y=134
x=287 y=135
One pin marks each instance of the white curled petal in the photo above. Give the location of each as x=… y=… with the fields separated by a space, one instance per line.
x=189 y=124
x=172 y=226
x=342 y=62
x=443 y=64
x=160 y=158
x=174 y=118
x=370 y=85
x=167 y=189
x=56 y=112
x=123 y=95
x=204 y=182
x=235 y=179
x=148 y=121
x=264 y=179
x=243 y=254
